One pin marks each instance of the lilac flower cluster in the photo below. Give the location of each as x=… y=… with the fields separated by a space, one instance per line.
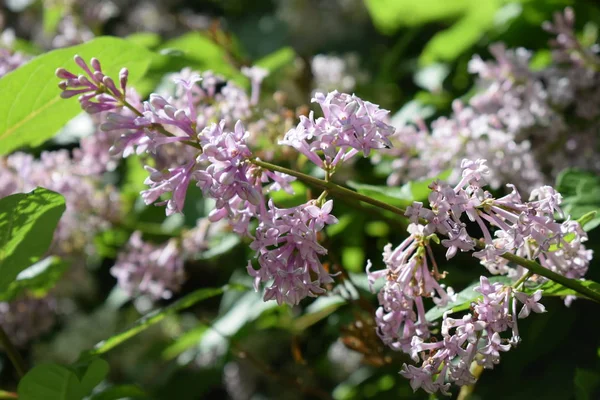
x=528 y=123
x=156 y=270
x=9 y=59
x=349 y=126
x=411 y=274
x=527 y=229
x=218 y=159
x=27 y=318
x=288 y=252
x=474 y=338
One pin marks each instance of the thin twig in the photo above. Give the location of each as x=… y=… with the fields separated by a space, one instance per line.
x=13 y=354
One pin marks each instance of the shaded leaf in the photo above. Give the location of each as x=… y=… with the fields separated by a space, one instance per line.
x=57 y=382
x=27 y=223
x=38 y=279
x=120 y=392
x=156 y=316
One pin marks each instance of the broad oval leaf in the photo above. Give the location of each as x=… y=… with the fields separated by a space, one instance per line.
x=27 y=223
x=57 y=382
x=49 y=381
x=34 y=111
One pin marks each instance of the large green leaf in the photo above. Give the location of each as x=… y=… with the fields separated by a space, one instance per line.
x=57 y=382
x=38 y=279
x=156 y=316
x=27 y=223
x=33 y=110
x=472 y=19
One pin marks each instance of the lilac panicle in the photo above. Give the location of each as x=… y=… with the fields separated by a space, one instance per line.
x=145 y=268
x=288 y=252
x=349 y=125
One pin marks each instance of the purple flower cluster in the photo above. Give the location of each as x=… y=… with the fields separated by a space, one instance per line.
x=288 y=252
x=528 y=229
x=411 y=274
x=27 y=318
x=218 y=159
x=145 y=268
x=528 y=123
x=474 y=338
x=349 y=125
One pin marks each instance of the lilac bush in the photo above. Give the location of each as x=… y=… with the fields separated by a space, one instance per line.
x=277 y=180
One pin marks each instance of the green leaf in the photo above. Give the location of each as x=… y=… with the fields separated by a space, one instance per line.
x=155 y=317
x=586 y=381
x=186 y=341
x=57 y=382
x=149 y=40
x=318 y=310
x=278 y=59
x=49 y=381
x=27 y=223
x=199 y=52
x=52 y=16
x=472 y=19
x=399 y=196
x=120 y=392
x=463 y=299
x=551 y=288
x=36 y=111
x=581 y=196
x=94 y=374
x=38 y=279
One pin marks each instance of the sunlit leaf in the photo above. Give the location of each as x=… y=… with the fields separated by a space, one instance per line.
x=35 y=111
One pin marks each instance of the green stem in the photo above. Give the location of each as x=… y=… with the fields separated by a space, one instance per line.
x=13 y=353
x=333 y=189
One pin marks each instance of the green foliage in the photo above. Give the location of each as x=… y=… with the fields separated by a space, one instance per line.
x=36 y=280
x=551 y=288
x=581 y=196
x=471 y=20
x=52 y=16
x=155 y=317
x=197 y=51
x=27 y=223
x=120 y=392
x=399 y=196
x=35 y=111
x=57 y=382
x=278 y=59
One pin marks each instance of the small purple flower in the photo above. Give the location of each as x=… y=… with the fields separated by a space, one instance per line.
x=530 y=303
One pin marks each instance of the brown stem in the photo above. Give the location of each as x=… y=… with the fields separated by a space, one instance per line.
x=13 y=354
